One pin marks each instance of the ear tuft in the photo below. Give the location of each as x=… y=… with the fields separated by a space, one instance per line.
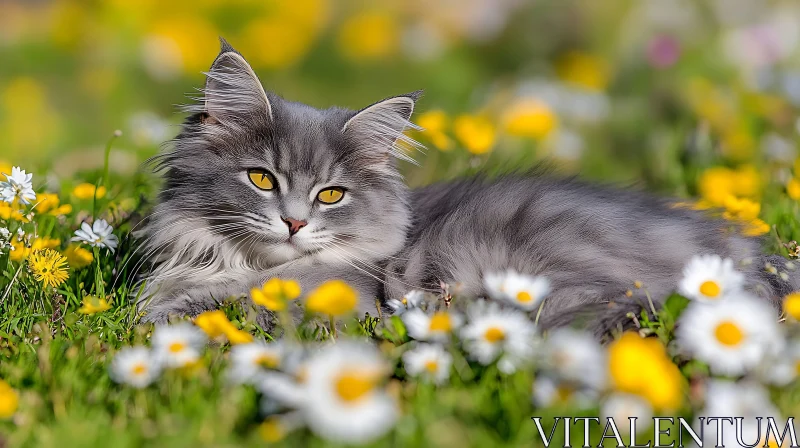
x=382 y=126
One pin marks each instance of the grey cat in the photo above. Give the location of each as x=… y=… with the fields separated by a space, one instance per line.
x=259 y=187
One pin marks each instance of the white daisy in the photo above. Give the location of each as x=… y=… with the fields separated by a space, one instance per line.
x=412 y=299
x=548 y=392
x=437 y=326
x=347 y=403
x=178 y=345
x=429 y=361
x=523 y=291
x=283 y=389
x=98 y=235
x=575 y=356
x=250 y=361
x=134 y=366
x=18 y=186
x=744 y=399
x=733 y=336
x=708 y=278
x=497 y=334
x=621 y=407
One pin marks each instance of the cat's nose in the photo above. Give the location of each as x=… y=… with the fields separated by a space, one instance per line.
x=294 y=224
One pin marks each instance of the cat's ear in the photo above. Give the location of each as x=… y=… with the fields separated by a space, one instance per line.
x=382 y=125
x=233 y=92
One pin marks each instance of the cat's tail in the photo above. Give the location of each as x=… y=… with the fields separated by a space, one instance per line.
x=604 y=319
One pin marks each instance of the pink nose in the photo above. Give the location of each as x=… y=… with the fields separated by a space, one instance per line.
x=294 y=225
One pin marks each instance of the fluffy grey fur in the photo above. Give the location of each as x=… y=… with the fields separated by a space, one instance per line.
x=215 y=235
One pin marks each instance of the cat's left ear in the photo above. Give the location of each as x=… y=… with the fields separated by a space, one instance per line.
x=233 y=92
x=383 y=124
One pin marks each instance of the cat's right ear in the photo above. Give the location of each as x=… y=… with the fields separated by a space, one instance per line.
x=233 y=92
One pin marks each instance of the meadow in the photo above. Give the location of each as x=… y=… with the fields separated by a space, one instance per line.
x=694 y=100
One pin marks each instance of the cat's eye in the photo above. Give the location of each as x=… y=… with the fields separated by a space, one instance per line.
x=262 y=179
x=331 y=195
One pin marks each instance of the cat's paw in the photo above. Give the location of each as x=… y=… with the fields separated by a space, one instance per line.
x=177 y=308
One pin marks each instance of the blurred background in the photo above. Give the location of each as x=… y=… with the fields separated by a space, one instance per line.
x=632 y=91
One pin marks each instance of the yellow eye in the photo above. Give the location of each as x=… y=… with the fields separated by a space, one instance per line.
x=261 y=179
x=331 y=195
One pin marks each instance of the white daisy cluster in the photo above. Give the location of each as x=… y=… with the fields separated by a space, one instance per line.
x=18 y=187
x=726 y=326
x=5 y=239
x=177 y=346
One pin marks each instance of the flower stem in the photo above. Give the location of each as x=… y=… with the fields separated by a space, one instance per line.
x=332 y=321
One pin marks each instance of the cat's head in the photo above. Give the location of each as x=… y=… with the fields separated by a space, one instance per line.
x=285 y=178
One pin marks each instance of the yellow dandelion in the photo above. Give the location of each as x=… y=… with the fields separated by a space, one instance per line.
x=94 y=305
x=8 y=211
x=434 y=124
x=216 y=323
x=78 y=257
x=48 y=267
x=333 y=298
x=641 y=366
x=530 y=118
x=275 y=294
x=791 y=305
x=475 y=132
x=271 y=430
x=793 y=188
x=755 y=227
x=740 y=209
x=21 y=252
x=584 y=69
x=9 y=400
x=87 y=191
x=369 y=35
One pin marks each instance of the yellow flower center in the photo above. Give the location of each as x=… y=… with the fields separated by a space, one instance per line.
x=728 y=333
x=524 y=297
x=563 y=393
x=271 y=430
x=710 y=288
x=139 y=369
x=440 y=322
x=177 y=347
x=352 y=386
x=431 y=366
x=494 y=334
x=267 y=360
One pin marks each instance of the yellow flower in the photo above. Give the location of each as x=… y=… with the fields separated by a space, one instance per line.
x=369 y=35
x=333 y=297
x=49 y=203
x=530 y=118
x=641 y=366
x=49 y=267
x=87 y=191
x=793 y=188
x=275 y=294
x=9 y=400
x=755 y=227
x=180 y=44
x=21 y=252
x=5 y=168
x=434 y=124
x=78 y=257
x=791 y=305
x=7 y=211
x=738 y=143
x=271 y=430
x=275 y=43
x=216 y=323
x=717 y=183
x=584 y=69
x=475 y=132
x=740 y=209
x=93 y=305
